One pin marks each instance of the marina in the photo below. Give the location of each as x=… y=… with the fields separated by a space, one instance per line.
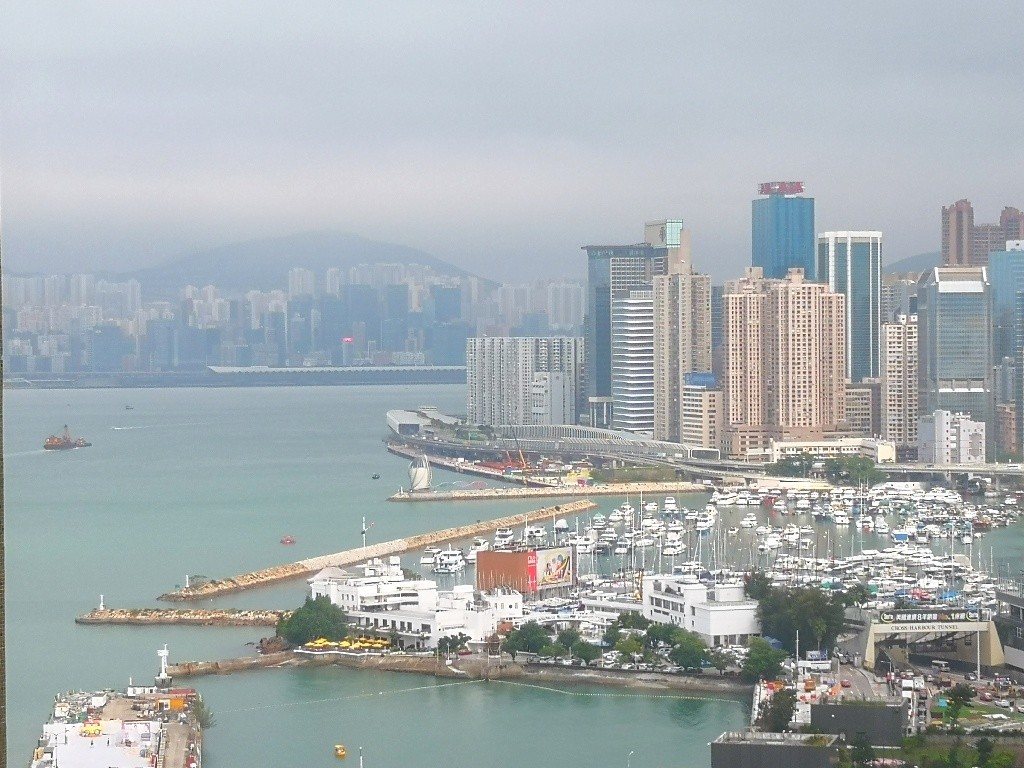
x=307 y=567
x=319 y=497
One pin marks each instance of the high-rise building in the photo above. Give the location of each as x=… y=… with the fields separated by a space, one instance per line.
x=955 y=349
x=899 y=377
x=633 y=362
x=682 y=337
x=899 y=295
x=782 y=230
x=1006 y=271
x=965 y=243
x=301 y=282
x=785 y=361
x=501 y=382
x=702 y=415
x=851 y=264
x=957 y=233
x=614 y=270
x=863 y=408
x=565 y=305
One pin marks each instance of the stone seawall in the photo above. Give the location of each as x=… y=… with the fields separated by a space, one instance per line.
x=361 y=554
x=473 y=668
x=566 y=491
x=193 y=616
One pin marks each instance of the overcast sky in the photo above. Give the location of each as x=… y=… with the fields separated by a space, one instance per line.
x=498 y=136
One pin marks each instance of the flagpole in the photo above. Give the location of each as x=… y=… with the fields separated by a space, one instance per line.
x=364 y=532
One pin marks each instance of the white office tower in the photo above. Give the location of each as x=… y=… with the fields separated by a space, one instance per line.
x=301 y=282
x=633 y=362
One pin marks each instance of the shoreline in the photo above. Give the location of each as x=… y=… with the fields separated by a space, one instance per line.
x=472 y=668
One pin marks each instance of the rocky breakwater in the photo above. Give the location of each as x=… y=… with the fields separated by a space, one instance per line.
x=193 y=616
x=305 y=568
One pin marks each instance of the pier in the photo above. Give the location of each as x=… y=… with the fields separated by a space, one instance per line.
x=548 y=492
x=305 y=568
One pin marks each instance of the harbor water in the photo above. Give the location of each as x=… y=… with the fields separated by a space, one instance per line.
x=207 y=482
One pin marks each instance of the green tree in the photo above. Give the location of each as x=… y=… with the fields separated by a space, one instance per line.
x=452 y=643
x=203 y=714
x=611 y=635
x=861 y=751
x=757 y=585
x=816 y=616
x=957 y=697
x=985 y=747
x=857 y=594
x=315 y=618
x=589 y=652
x=659 y=634
x=630 y=646
x=689 y=649
x=554 y=651
x=779 y=712
x=529 y=638
x=567 y=638
x=719 y=660
x=1003 y=759
x=633 y=620
x=762 y=661
x=513 y=644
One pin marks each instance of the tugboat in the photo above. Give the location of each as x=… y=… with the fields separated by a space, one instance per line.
x=65 y=442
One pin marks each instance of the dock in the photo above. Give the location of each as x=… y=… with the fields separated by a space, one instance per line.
x=308 y=567
x=547 y=492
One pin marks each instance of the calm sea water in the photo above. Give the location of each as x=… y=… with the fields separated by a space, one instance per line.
x=207 y=482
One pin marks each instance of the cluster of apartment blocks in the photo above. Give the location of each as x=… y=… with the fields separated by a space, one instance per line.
x=812 y=343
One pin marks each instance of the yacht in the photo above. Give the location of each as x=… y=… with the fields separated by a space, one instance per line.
x=503 y=537
x=449 y=561
x=670 y=504
x=477 y=545
x=427 y=558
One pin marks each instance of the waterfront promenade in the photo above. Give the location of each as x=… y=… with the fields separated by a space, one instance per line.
x=313 y=565
x=230 y=617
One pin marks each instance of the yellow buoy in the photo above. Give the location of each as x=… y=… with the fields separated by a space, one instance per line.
x=340 y=751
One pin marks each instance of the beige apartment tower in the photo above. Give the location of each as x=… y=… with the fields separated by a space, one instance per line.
x=899 y=374
x=682 y=337
x=785 y=361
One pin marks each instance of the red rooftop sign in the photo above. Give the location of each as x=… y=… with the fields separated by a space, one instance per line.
x=781 y=188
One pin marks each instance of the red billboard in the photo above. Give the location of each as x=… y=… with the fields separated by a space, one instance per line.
x=780 y=188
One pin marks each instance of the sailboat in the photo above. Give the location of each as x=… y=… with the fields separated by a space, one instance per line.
x=419 y=474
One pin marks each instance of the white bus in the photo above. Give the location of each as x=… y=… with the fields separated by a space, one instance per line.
x=940 y=666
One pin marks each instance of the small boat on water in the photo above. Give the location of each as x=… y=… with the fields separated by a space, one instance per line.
x=65 y=442
x=288 y=539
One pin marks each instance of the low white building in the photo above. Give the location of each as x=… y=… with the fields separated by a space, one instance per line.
x=950 y=438
x=879 y=451
x=380 y=599
x=721 y=614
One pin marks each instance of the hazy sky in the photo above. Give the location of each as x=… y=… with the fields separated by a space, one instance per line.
x=498 y=136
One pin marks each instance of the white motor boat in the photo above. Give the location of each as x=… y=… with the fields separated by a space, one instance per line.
x=449 y=560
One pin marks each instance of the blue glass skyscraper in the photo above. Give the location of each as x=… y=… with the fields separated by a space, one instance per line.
x=782 y=230
x=851 y=264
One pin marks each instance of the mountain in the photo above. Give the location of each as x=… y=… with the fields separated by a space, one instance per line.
x=263 y=264
x=918 y=263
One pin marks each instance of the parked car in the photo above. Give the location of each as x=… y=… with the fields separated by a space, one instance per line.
x=846 y=683
x=1004 y=703
x=985 y=696
x=970 y=676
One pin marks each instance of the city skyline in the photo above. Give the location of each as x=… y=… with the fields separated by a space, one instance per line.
x=133 y=135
